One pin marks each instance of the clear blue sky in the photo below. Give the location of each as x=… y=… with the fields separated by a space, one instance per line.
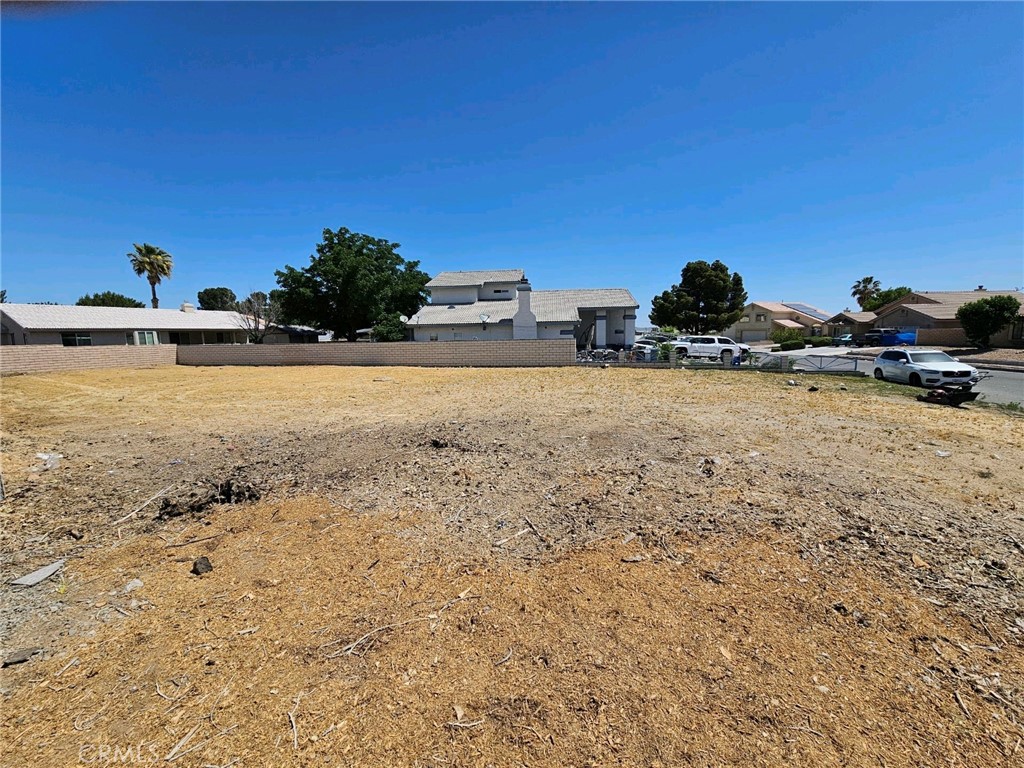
x=593 y=145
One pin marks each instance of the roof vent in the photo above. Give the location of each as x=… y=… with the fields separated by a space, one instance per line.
x=186 y=307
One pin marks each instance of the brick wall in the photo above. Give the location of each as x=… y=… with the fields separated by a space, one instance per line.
x=955 y=337
x=38 y=358
x=941 y=337
x=447 y=354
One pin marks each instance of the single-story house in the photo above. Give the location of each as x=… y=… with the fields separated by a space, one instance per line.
x=760 y=318
x=501 y=304
x=74 y=326
x=849 y=322
x=933 y=315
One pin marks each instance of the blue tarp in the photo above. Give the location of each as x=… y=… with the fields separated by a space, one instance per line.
x=895 y=339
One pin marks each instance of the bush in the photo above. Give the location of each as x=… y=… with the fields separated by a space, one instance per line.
x=787 y=346
x=986 y=317
x=820 y=341
x=389 y=328
x=780 y=335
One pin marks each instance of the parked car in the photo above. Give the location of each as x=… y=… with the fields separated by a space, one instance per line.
x=923 y=368
x=711 y=347
x=846 y=340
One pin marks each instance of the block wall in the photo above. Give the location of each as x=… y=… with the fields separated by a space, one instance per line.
x=941 y=337
x=40 y=358
x=452 y=354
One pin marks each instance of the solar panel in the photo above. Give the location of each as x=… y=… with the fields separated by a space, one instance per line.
x=815 y=313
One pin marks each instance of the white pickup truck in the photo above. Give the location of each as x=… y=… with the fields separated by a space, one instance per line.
x=712 y=347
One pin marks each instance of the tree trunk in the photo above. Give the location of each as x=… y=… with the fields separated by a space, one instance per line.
x=156 y=301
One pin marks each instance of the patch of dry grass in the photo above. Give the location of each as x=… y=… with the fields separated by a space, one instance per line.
x=386 y=651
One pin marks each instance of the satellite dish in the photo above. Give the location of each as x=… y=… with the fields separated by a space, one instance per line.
x=484 y=318
x=403 y=318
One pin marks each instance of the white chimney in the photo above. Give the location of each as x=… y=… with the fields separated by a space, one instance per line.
x=524 y=322
x=186 y=307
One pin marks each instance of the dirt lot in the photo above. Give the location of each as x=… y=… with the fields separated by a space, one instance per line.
x=509 y=567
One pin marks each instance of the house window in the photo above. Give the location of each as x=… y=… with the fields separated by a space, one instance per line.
x=221 y=337
x=129 y=338
x=433 y=337
x=760 y=318
x=145 y=338
x=76 y=339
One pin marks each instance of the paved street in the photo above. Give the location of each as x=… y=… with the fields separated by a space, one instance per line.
x=1003 y=387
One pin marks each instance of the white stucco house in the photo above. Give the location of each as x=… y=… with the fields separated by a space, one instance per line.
x=74 y=326
x=501 y=304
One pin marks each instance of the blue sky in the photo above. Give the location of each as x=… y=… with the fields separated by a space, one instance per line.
x=593 y=145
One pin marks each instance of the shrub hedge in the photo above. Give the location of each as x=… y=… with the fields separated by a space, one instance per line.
x=820 y=341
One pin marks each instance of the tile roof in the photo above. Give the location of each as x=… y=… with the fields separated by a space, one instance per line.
x=773 y=306
x=785 y=323
x=962 y=297
x=856 y=317
x=475 y=277
x=942 y=305
x=785 y=309
x=63 y=317
x=548 y=306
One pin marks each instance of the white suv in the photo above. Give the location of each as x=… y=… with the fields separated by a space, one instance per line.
x=923 y=368
x=712 y=347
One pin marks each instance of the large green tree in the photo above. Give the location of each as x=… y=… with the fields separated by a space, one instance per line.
x=707 y=298
x=353 y=281
x=865 y=289
x=217 y=299
x=883 y=297
x=984 y=318
x=389 y=328
x=155 y=263
x=109 y=299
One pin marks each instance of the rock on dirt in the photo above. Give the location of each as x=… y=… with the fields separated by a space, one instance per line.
x=20 y=657
x=202 y=565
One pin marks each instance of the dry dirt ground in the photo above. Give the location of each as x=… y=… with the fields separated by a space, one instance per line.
x=566 y=567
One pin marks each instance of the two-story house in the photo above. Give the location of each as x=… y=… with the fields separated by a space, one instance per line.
x=501 y=304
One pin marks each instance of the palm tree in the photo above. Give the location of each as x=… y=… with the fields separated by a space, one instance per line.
x=155 y=263
x=865 y=289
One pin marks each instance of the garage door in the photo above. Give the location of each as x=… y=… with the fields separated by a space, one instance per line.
x=749 y=336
